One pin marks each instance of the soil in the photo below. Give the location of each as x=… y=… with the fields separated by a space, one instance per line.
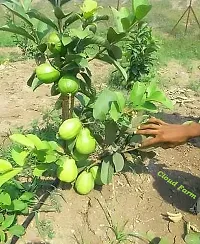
x=139 y=196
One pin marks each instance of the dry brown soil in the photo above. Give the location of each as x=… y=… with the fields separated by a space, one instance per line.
x=141 y=198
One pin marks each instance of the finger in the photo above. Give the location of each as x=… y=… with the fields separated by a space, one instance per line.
x=156 y=121
x=150 y=142
x=149 y=126
x=147 y=132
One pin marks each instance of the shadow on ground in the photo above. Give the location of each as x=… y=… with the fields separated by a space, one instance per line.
x=188 y=185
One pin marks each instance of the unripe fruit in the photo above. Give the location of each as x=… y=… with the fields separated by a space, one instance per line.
x=70 y=128
x=68 y=171
x=85 y=143
x=84 y=183
x=54 y=43
x=68 y=84
x=47 y=73
x=96 y=173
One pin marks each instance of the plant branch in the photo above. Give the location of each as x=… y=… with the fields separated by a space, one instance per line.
x=65 y=107
x=72 y=106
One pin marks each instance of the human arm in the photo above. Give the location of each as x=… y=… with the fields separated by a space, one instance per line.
x=167 y=135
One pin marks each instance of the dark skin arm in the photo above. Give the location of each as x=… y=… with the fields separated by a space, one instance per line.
x=167 y=135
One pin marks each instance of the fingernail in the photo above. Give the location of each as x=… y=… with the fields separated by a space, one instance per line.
x=139 y=145
x=135 y=132
x=138 y=127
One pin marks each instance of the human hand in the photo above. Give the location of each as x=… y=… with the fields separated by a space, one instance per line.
x=164 y=134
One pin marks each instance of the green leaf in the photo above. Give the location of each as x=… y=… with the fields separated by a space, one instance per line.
x=36 y=83
x=147 y=106
x=27 y=196
x=159 y=96
x=19 y=156
x=118 y=161
x=5 y=166
x=1 y=218
x=141 y=8
x=66 y=39
x=114 y=111
x=36 y=141
x=70 y=20
x=192 y=238
x=111 y=129
x=89 y=8
x=9 y=219
x=81 y=34
x=103 y=103
x=17 y=30
x=2 y=236
x=121 y=101
x=18 y=205
x=113 y=36
x=107 y=171
x=59 y=13
x=5 y=198
x=115 y=52
x=71 y=144
x=42 y=29
x=137 y=96
x=50 y=158
x=117 y=19
x=9 y=175
x=56 y=147
x=21 y=14
x=33 y=13
x=40 y=169
x=30 y=80
x=23 y=140
x=17 y=230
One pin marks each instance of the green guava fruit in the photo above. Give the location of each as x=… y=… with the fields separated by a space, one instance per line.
x=70 y=128
x=85 y=143
x=47 y=73
x=68 y=171
x=68 y=84
x=84 y=183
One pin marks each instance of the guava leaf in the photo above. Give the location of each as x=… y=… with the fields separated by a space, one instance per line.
x=18 y=205
x=89 y=8
x=9 y=175
x=111 y=129
x=5 y=198
x=26 y=196
x=5 y=166
x=113 y=36
x=17 y=30
x=17 y=230
x=36 y=83
x=40 y=169
x=103 y=103
x=2 y=236
x=141 y=8
x=19 y=13
x=19 y=156
x=114 y=111
x=33 y=13
x=107 y=170
x=23 y=140
x=118 y=161
x=8 y=222
x=137 y=95
x=36 y=141
x=120 y=100
x=159 y=96
x=1 y=218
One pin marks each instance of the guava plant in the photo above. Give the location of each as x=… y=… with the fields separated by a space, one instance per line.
x=96 y=139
